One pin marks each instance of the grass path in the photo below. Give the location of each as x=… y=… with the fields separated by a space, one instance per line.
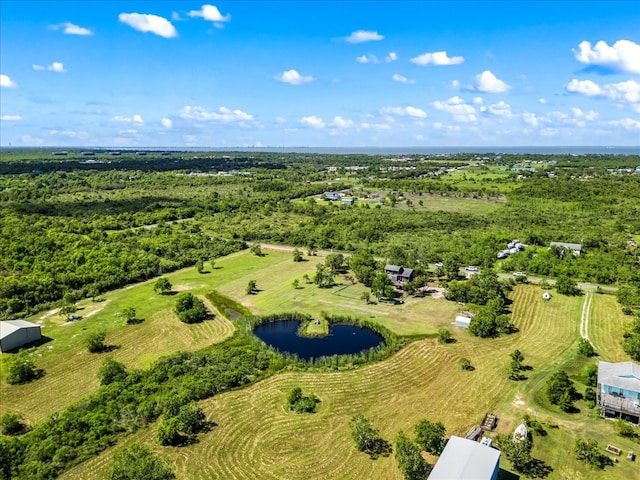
x=584 y=318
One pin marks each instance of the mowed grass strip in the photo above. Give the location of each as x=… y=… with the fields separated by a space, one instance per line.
x=606 y=326
x=257 y=437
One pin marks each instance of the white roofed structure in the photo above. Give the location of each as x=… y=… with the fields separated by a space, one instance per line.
x=462 y=321
x=16 y=333
x=464 y=459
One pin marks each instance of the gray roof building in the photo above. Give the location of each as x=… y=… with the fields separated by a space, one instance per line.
x=618 y=391
x=575 y=247
x=16 y=333
x=464 y=459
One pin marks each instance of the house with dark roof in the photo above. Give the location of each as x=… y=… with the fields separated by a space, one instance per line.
x=464 y=459
x=399 y=275
x=618 y=391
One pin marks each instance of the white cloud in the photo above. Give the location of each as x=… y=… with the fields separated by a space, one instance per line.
x=340 y=122
x=409 y=111
x=69 y=28
x=280 y=120
x=6 y=82
x=137 y=119
x=489 y=83
x=478 y=100
x=402 y=79
x=456 y=106
x=530 y=119
x=585 y=87
x=211 y=14
x=589 y=115
x=436 y=58
x=223 y=115
x=391 y=57
x=627 y=124
x=57 y=67
x=292 y=77
x=455 y=84
x=68 y=134
x=622 y=57
x=166 y=123
x=628 y=91
x=501 y=109
x=367 y=59
x=542 y=101
x=361 y=36
x=10 y=118
x=313 y=122
x=144 y=22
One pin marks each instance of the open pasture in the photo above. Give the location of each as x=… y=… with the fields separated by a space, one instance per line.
x=257 y=437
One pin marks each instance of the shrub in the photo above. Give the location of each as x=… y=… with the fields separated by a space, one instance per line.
x=21 y=369
x=111 y=371
x=430 y=436
x=190 y=309
x=136 y=462
x=444 y=336
x=95 y=342
x=300 y=403
x=12 y=424
x=465 y=364
x=585 y=348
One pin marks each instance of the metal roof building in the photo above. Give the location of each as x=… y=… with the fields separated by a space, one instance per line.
x=464 y=459
x=16 y=333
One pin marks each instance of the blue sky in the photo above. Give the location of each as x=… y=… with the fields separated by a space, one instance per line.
x=329 y=73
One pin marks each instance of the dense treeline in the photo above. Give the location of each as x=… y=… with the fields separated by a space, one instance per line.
x=81 y=232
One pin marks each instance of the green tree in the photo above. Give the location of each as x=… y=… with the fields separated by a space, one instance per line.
x=381 y=285
x=135 y=462
x=585 y=348
x=12 y=424
x=335 y=261
x=367 y=438
x=111 y=371
x=68 y=309
x=567 y=286
x=95 y=341
x=323 y=277
x=200 y=266
x=256 y=249
x=430 y=436
x=130 y=314
x=444 y=335
x=190 y=309
x=410 y=461
x=251 y=287
x=561 y=390
x=297 y=256
x=168 y=432
x=365 y=297
x=465 y=364
x=296 y=283
x=191 y=419
x=588 y=452
x=21 y=369
x=162 y=286
x=590 y=375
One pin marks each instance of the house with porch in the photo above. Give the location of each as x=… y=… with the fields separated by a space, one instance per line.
x=618 y=393
x=399 y=275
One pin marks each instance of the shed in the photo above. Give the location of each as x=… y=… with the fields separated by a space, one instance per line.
x=462 y=321
x=464 y=459
x=16 y=333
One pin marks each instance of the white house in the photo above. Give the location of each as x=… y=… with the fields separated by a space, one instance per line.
x=16 y=333
x=464 y=459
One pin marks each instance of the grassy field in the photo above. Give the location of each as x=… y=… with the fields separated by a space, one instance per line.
x=161 y=333
x=606 y=326
x=257 y=437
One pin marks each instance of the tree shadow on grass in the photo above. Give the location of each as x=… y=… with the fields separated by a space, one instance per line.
x=379 y=448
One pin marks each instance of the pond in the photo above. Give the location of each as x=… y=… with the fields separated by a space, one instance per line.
x=342 y=339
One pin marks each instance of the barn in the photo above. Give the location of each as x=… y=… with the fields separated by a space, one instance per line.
x=16 y=333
